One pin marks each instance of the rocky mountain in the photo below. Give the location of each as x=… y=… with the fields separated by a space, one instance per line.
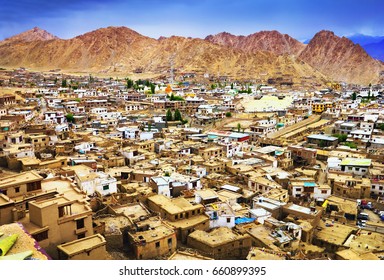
x=120 y=50
x=340 y=59
x=271 y=41
x=34 y=34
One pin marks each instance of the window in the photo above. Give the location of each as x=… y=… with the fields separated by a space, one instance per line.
x=324 y=191
x=17 y=189
x=228 y=220
x=41 y=236
x=169 y=242
x=65 y=210
x=106 y=187
x=157 y=244
x=33 y=186
x=80 y=224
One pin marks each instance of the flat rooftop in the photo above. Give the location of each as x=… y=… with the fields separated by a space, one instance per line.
x=4 y=200
x=356 y=162
x=173 y=206
x=217 y=237
x=134 y=211
x=82 y=245
x=25 y=177
x=207 y=194
x=180 y=255
x=366 y=241
x=190 y=222
x=155 y=233
x=262 y=254
x=336 y=234
x=349 y=254
x=322 y=137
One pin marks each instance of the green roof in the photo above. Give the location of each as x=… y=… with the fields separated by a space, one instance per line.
x=356 y=161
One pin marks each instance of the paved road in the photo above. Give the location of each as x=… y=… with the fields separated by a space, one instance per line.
x=374 y=218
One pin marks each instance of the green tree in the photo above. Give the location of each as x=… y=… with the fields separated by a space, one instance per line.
x=322 y=144
x=175 y=98
x=352 y=145
x=153 y=88
x=64 y=83
x=354 y=95
x=149 y=126
x=129 y=83
x=381 y=126
x=232 y=86
x=341 y=137
x=249 y=91
x=169 y=116
x=177 y=116
x=70 y=117
x=238 y=127
x=228 y=114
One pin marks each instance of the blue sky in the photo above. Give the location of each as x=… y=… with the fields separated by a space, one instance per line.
x=195 y=18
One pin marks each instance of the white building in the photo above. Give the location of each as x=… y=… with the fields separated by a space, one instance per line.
x=54 y=117
x=97 y=182
x=260 y=214
x=357 y=166
x=85 y=147
x=220 y=215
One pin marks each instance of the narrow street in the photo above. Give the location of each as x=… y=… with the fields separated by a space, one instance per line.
x=322 y=179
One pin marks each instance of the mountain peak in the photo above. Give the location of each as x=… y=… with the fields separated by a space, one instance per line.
x=270 y=41
x=34 y=34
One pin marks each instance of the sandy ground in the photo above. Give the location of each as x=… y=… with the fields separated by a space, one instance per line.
x=266 y=103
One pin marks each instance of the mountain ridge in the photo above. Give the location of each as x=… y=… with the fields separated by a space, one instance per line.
x=123 y=50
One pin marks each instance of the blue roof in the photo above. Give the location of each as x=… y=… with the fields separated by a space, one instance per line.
x=309 y=184
x=243 y=220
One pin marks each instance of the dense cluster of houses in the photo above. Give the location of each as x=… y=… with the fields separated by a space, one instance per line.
x=99 y=171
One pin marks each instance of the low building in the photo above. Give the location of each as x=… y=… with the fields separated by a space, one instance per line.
x=220 y=243
x=321 y=140
x=88 y=248
x=220 y=214
x=151 y=239
x=302 y=155
x=180 y=214
x=356 y=166
x=58 y=220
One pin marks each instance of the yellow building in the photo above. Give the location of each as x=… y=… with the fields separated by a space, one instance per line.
x=321 y=107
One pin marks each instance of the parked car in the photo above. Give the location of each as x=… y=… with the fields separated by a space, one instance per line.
x=363 y=216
